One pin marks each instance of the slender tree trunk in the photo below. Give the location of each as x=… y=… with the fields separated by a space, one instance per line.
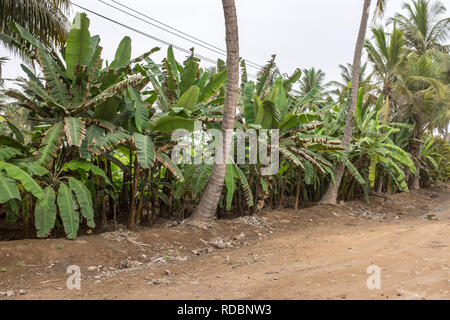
x=407 y=175
x=330 y=196
x=125 y=185
x=115 y=215
x=205 y=212
x=297 y=190
x=258 y=191
x=141 y=198
x=132 y=219
x=283 y=181
x=109 y=174
x=418 y=155
x=153 y=194
x=380 y=185
x=102 y=202
x=147 y=208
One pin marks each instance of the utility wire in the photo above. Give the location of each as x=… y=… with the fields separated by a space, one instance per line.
x=151 y=37
x=132 y=15
x=222 y=51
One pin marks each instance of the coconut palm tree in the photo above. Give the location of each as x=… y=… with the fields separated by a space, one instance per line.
x=206 y=210
x=310 y=79
x=341 y=88
x=44 y=19
x=423 y=26
x=424 y=98
x=387 y=56
x=346 y=76
x=330 y=196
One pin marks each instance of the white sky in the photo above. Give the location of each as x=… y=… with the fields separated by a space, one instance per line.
x=303 y=33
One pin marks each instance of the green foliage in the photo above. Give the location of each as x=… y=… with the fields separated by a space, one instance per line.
x=145 y=150
x=45 y=213
x=75 y=131
x=84 y=199
x=123 y=53
x=9 y=189
x=85 y=166
x=189 y=98
x=435 y=162
x=101 y=134
x=68 y=211
x=8 y=152
x=50 y=144
x=22 y=177
x=249 y=106
x=78 y=45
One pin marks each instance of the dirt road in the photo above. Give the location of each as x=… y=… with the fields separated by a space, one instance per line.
x=316 y=253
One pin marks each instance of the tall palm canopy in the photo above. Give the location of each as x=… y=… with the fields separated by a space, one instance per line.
x=310 y=79
x=341 y=88
x=424 y=26
x=427 y=100
x=386 y=53
x=44 y=19
x=346 y=75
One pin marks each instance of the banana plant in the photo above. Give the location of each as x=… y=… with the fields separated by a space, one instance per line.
x=80 y=102
x=18 y=172
x=430 y=154
x=53 y=191
x=181 y=92
x=374 y=141
x=69 y=194
x=301 y=142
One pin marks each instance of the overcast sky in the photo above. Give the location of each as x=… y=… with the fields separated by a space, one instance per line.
x=303 y=33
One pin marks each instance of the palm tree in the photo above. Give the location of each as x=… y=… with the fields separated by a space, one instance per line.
x=424 y=99
x=387 y=56
x=44 y=19
x=442 y=123
x=206 y=210
x=310 y=79
x=423 y=27
x=346 y=76
x=330 y=196
x=341 y=88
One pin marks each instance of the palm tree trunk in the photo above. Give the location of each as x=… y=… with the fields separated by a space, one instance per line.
x=330 y=196
x=206 y=210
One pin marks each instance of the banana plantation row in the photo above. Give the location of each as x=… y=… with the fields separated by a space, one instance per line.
x=84 y=143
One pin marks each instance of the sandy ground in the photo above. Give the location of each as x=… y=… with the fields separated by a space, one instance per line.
x=321 y=252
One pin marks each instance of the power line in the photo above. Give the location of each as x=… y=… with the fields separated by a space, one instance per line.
x=155 y=25
x=151 y=37
x=223 y=52
x=199 y=43
x=143 y=33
